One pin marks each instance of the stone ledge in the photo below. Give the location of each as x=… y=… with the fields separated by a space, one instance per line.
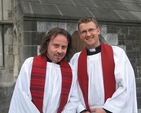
x=6 y=22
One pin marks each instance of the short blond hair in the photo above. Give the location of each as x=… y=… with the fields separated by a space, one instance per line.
x=86 y=20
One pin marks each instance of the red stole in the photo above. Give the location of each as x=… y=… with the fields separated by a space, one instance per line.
x=108 y=72
x=38 y=75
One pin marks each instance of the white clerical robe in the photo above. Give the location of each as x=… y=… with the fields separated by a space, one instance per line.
x=21 y=101
x=124 y=98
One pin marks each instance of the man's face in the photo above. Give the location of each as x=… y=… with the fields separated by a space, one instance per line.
x=89 y=33
x=57 y=48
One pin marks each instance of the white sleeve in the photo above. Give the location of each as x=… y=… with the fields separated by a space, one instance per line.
x=74 y=104
x=124 y=98
x=21 y=98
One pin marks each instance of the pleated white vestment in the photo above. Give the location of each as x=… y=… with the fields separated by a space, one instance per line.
x=124 y=98
x=21 y=101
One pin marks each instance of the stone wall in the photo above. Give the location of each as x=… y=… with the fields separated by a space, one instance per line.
x=6 y=55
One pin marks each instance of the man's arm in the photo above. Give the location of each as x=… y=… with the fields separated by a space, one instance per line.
x=21 y=100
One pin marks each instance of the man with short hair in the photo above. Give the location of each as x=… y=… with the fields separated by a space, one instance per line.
x=105 y=75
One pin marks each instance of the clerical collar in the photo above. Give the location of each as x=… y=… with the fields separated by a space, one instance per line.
x=94 y=50
x=51 y=60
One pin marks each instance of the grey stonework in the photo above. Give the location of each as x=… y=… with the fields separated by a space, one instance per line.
x=5 y=97
x=24 y=23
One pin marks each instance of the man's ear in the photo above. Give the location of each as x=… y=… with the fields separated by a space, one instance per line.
x=98 y=30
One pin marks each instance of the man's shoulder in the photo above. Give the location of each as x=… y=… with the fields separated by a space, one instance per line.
x=76 y=54
x=28 y=60
x=118 y=48
x=118 y=51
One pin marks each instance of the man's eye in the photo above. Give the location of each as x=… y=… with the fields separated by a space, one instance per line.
x=56 y=46
x=64 y=47
x=90 y=30
x=83 y=32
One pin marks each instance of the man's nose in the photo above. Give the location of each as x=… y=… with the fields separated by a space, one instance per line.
x=60 y=50
x=88 y=33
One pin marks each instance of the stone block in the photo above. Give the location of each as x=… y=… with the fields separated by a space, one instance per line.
x=123 y=30
x=138 y=34
x=0 y=5
x=103 y=30
x=138 y=71
x=6 y=77
x=8 y=39
x=139 y=103
x=1 y=60
x=131 y=54
x=27 y=51
x=5 y=15
x=139 y=55
x=31 y=38
x=8 y=49
x=70 y=27
x=9 y=61
x=132 y=30
x=112 y=29
x=7 y=29
x=1 y=50
x=38 y=49
x=121 y=42
x=30 y=26
x=111 y=39
x=129 y=45
x=5 y=98
x=137 y=43
x=6 y=5
x=131 y=37
x=121 y=37
x=139 y=92
x=1 y=55
x=123 y=47
x=1 y=15
x=46 y=26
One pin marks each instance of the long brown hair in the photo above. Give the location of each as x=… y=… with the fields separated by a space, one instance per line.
x=52 y=34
